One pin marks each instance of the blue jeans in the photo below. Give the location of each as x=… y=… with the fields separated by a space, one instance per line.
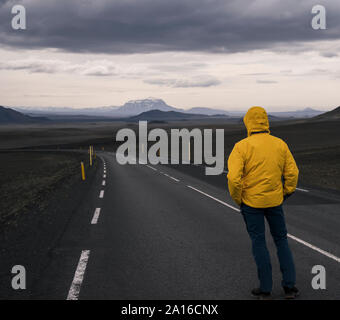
x=254 y=219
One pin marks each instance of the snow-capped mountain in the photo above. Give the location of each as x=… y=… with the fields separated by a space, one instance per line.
x=135 y=107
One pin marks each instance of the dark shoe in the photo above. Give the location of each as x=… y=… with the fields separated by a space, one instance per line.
x=291 y=293
x=259 y=294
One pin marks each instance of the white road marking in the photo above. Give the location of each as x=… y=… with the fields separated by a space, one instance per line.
x=101 y=195
x=323 y=252
x=209 y=196
x=74 y=291
x=104 y=176
x=95 y=216
x=103 y=183
x=171 y=177
x=303 y=190
x=151 y=168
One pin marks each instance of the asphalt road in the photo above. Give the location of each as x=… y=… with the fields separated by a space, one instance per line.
x=170 y=232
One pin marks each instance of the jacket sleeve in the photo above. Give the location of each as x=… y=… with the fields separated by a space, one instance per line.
x=290 y=173
x=235 y=172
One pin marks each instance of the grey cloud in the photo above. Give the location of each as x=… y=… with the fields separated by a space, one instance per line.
x=256 y=74
x=202 y=82
x=141 y=26
x=34 y=65
x=329 y=54
x=188 y=67
x=266 y=81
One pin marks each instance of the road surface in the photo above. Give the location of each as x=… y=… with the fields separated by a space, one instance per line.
x=170 y=232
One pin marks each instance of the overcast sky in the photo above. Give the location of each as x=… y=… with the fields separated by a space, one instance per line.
x=228 y=54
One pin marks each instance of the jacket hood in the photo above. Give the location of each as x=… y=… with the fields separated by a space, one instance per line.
x=256 y=120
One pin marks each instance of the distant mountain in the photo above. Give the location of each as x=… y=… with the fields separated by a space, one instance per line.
x=207 y=111
x=131 y=108
x=330 y=115
x=304 y=113
x=66 y=111
x=10 y=116
x=135 y=107
x=157 y=115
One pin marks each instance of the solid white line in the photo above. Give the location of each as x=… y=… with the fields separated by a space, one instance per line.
x=103 y=183
x=95 y=216
x=151 y=168
x=74 y=291
x=325 y=253
x=101 y=195
x=303 y=190
x=171 y=177
x=209 y=196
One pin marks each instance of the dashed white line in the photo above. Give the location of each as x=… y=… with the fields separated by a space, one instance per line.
x=303 y=190
x=323 y=252
x=74 y=291
x=171 y=177
x=101 y=195
x=103 y=183
x=209 y=196
x=95 y=216
x=104 y=176
x=152 y=168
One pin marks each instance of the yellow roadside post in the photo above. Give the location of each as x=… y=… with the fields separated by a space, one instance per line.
x=82 y=170
x=90 y=151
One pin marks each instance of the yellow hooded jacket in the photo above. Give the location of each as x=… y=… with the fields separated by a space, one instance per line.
x=257 y=164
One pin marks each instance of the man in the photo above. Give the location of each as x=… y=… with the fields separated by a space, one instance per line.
x=262 y=173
